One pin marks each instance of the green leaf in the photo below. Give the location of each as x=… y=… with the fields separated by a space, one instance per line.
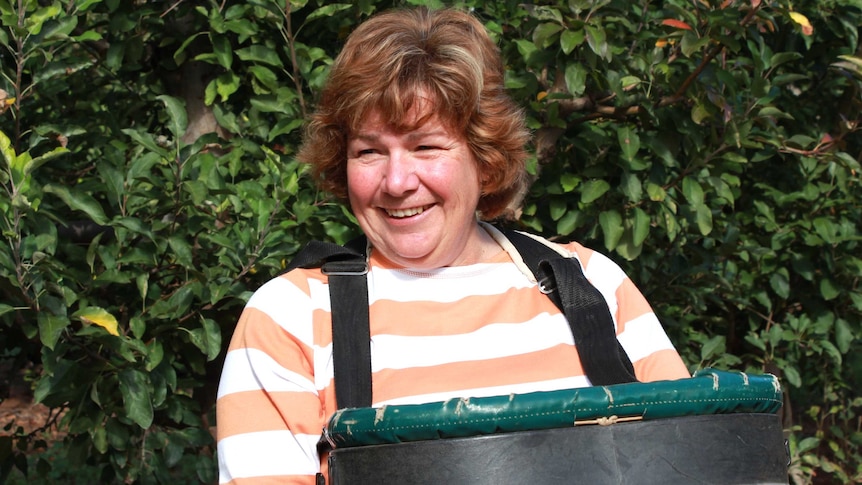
x=37 y=162
x=543 y=34
x=558 y=208
x=207 y=338
x=611 y=223
x=712 y=348
x=780 y=283
x=37 y=19
x=597 y=40
x=791 y=375
x=570 y=39
x=569 y=181
x=656 y=192
x=50 y=328
x=259 y=53
x=566 y=225
x=7 y=150
x=828 y=289
x=176 y=113
x=4 y=309
x=593 y=189
x=147 y=141
x=155 y=354
x=640 y=227
x=826 y=229
x=576 y=78
x=222 y=50
x=629 y=142
x=328 y=10
x=137 y=402
x=227 y=84
x=843 y=335
x=79 y=201
x=704 y=220
x=182 y=251
x=692 y=191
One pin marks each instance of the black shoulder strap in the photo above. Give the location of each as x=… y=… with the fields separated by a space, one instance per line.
x=604 y=360
x=602 y=357
x=346 y=268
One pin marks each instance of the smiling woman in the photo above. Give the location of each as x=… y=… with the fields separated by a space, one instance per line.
x=416 y=133
x=415 y=193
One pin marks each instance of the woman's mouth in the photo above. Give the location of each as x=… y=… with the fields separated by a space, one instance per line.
x=409 y=212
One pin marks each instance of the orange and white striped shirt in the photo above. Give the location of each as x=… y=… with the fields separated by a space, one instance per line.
x=465 y=331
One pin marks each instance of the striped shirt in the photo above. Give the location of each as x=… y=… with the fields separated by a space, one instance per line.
x=464 y=331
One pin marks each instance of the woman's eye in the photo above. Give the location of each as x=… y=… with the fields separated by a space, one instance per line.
x=426 y=147
x=367 y=151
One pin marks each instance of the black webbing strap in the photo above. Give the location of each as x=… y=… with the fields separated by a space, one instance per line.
x=346 y=268
x=602 y=356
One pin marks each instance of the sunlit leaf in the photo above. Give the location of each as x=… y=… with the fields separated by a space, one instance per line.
x=678 y=24
x=98 y=316
x=802 y=21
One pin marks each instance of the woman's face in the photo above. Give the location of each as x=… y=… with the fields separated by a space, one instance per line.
x=415 y=193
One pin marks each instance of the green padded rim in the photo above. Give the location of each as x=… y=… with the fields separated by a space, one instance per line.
x=709 y=391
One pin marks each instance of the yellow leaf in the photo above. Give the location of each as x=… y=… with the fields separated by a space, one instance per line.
x=541 y=95
x=802 y=20
x=98 y=316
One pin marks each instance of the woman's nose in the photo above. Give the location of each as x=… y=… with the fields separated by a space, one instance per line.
x=400 y=176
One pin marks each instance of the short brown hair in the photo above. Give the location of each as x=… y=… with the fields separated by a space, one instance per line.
x=399 y=56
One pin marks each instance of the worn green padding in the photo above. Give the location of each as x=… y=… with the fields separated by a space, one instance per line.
x=708 y=392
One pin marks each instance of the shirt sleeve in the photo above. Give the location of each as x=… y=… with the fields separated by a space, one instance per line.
x=269 y=413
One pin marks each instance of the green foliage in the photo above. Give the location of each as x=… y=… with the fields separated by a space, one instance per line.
x=150 y=186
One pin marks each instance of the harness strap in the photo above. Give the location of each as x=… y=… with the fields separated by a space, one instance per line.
x=346 y=268
x=603 y=358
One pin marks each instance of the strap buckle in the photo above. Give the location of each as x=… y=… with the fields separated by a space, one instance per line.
x=547 y=285
x=344 y=268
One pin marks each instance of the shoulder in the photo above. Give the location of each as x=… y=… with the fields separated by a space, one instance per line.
x=295 y=284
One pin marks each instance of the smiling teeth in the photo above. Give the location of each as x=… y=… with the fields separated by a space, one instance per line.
x=405 y=212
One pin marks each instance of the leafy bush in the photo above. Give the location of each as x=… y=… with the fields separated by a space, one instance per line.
x=147 y=160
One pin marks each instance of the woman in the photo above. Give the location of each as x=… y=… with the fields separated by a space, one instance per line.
x=415 y=131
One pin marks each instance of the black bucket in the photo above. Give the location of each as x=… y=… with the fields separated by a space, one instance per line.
x=712 y=449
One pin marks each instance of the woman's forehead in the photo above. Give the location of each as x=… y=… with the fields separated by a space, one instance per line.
x=421 y=113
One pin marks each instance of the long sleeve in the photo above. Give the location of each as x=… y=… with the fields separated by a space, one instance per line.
x=269 y=409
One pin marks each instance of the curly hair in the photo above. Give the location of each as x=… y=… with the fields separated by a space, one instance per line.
x=392 y=61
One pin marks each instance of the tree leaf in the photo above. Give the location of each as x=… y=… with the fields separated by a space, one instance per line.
x=704 y=220
x=843 y=335
x=137 y=402
x=259 y=53
x=630 y=142
x=98 y=316
x=593 y=189
x=576 y=78
x=50 y=328
x=176 y=113
x=678 y=24
x=612 y=227
x=570 y=39
x=79 y=201
x=640 y=227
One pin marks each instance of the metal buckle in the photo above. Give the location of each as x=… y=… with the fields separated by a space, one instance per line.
x=546 y=285
x=344 y=268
